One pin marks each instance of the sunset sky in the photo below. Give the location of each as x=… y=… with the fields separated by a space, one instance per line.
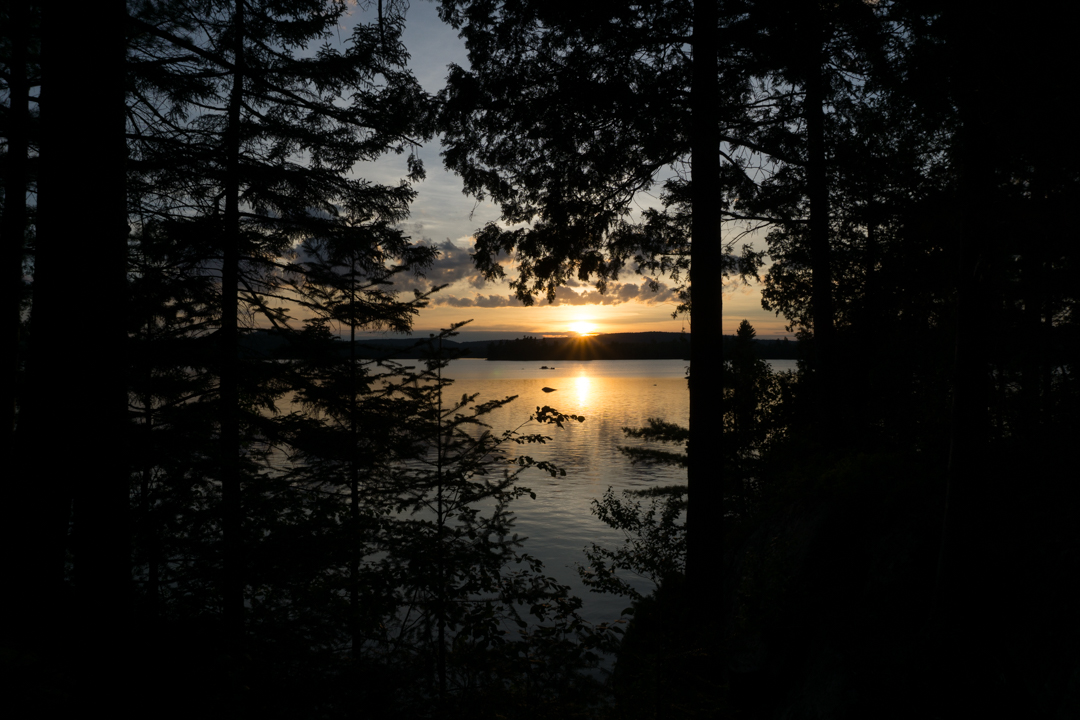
x=443 y=216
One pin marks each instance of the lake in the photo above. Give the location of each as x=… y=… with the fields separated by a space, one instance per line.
x=611 y=394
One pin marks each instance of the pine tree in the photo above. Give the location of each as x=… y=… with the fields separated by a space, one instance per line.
x=477 y=625
x=366 y=531
x=243 y=146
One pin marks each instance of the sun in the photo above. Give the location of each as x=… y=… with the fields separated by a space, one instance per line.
x=583 y=328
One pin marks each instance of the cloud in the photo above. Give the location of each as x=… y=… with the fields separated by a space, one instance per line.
x=478 y=300
x=617 y=294
x=453 y=265
x=735 y=286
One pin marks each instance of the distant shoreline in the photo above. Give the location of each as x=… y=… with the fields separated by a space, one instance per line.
x=611 y=346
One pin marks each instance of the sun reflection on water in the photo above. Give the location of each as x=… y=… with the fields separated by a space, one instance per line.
x=583 y=385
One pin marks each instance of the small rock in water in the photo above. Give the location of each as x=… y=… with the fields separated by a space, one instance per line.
x=547 y=389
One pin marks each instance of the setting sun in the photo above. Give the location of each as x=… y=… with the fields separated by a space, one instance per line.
x=583 y=328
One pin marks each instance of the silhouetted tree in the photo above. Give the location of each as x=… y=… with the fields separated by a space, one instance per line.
x=243 y=139
x=400 y=511
x=565 y=115
x=338 y=554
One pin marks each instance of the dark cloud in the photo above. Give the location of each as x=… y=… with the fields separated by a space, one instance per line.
x=452 y=265
x=496 y=301
x=478 y=300
x=617 y=293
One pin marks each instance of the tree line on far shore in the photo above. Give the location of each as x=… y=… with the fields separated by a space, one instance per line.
x=600 y=348
x=270 y=344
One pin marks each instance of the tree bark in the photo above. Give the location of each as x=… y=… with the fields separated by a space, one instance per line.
x=817 y=190
x=705 y=485
x=971 y=387
x=233 y=570
x=16 y=181
x=77 y=367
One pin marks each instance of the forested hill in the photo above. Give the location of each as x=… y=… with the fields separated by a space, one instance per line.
x=614 y=346
x=623 y=346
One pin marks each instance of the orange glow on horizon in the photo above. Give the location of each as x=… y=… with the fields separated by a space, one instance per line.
x=543 y=319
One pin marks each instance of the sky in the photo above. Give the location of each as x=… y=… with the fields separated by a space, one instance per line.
x=445 y=217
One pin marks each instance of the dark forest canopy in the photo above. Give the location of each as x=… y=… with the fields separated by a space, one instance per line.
x=890 y=527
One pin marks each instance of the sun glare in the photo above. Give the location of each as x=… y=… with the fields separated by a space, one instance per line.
x=583 y=328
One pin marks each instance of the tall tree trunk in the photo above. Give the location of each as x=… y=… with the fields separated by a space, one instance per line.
x=817 y=190
x=971 y=387
x=78 y=363
x=1035 y=351
x=148 y=534
x=233 y=566
x=16 y=181
x=703 y=539
x=354 y=473
x=962 y=609
x=32 y=547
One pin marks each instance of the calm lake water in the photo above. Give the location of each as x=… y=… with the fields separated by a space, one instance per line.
x=611 y=394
